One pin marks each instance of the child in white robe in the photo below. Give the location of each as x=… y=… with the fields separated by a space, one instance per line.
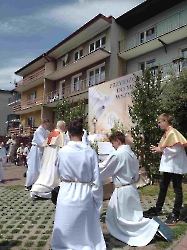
x=3 y=159
x=77 y=219
x=124 y=218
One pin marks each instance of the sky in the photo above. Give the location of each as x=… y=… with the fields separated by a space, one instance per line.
x=30 y=28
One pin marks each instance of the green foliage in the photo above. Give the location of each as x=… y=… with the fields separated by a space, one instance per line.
x=146 y=108
x=174 y=98
x=67 y=110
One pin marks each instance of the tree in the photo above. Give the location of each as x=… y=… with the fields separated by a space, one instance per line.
x=144 y=113
x=67 y=110
x=174 y=98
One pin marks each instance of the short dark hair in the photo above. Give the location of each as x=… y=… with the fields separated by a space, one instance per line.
x=79 y=119
x=166 y=116
x=117 y=135
x=75 y=128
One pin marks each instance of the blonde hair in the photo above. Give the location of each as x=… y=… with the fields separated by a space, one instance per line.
x=166 y=117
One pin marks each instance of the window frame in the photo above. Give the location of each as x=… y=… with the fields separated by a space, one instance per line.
x=73 y=89
x=94 y=76
x=100 y=41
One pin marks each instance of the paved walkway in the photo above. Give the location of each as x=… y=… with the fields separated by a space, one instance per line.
x=25 y=224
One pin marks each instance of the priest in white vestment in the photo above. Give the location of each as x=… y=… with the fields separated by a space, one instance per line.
x=49 y=178
x=77 y=219
x=35 y=154
x=3 y=159
x=124 y=217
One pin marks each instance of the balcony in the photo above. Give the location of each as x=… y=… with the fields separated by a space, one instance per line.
x=27 y=131
x=31 y=81
x=178 y=65
x=167 y=31
x=28 y=106
x=14 y=99
x=13 y=118
x=81 y=63
x=79 y=90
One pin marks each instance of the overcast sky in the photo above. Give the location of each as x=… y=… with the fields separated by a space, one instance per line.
x=28 y=28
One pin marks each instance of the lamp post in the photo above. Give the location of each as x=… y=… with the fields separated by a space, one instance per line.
x=94 y=123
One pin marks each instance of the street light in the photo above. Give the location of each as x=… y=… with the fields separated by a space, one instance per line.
x=94 y=123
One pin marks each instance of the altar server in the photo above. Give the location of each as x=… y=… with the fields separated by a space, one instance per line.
x=35 y=154
x=3 y=159
x=124 y=217
x=77 y=218
x=49 y=178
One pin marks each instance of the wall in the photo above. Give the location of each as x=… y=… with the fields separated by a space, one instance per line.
x=35 y=114
x=39 y=92
x=4 y=110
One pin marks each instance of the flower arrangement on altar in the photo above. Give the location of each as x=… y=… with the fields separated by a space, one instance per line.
x=118 y=126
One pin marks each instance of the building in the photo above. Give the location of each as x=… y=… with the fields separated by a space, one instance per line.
x=151 y=34
x=5 y=110
x=85 y=58
x=155 y=35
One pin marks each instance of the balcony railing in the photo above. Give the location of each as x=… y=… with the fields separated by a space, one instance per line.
x=167 y=25
x=14 y=99
x=29 y=104
x=13 y=118
x=175 y=67
x=27 y=131
x=37 y=75
x=78 y=88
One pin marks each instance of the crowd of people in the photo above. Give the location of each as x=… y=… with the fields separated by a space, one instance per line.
x=64 y=158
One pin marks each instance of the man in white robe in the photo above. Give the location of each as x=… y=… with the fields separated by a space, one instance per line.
x=49 y=178
x=124 y=218
x=3 y=159
x=77 y=224
x=35 y=154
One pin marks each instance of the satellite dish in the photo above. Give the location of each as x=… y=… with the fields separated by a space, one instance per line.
x=66 y=58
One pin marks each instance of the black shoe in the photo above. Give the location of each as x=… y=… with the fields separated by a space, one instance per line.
x=152 y=212
x=171 y=219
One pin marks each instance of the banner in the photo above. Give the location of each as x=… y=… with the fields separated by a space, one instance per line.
x=109 y=102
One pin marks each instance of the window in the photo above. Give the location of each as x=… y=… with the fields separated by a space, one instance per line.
x=61 y=89
x=147 y=35
x=150 y=64
x=99 y=43
x=31 y=96
x=30 y=121
x=96 y=75
x=78 y=54
x=184 y=55
x=76 y=83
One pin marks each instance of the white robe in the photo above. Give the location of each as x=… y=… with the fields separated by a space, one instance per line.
x=2 y=163
x=49 y=177
x=35 y=155
x=124 y=218
x=77 y=219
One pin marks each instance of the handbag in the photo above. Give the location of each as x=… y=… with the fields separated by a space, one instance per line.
x=54 y=194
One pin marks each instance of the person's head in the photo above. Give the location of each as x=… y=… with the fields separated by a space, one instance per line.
x=61 y=125
x=75 y=129
x=29 y=144
x=164 y=121
x=117 y=139
x=13 y=137
x=21 y=144
x=45 y=123
x=2 y=144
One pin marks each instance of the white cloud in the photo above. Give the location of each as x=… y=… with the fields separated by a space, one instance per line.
x=68 y=16
x=79 y=13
